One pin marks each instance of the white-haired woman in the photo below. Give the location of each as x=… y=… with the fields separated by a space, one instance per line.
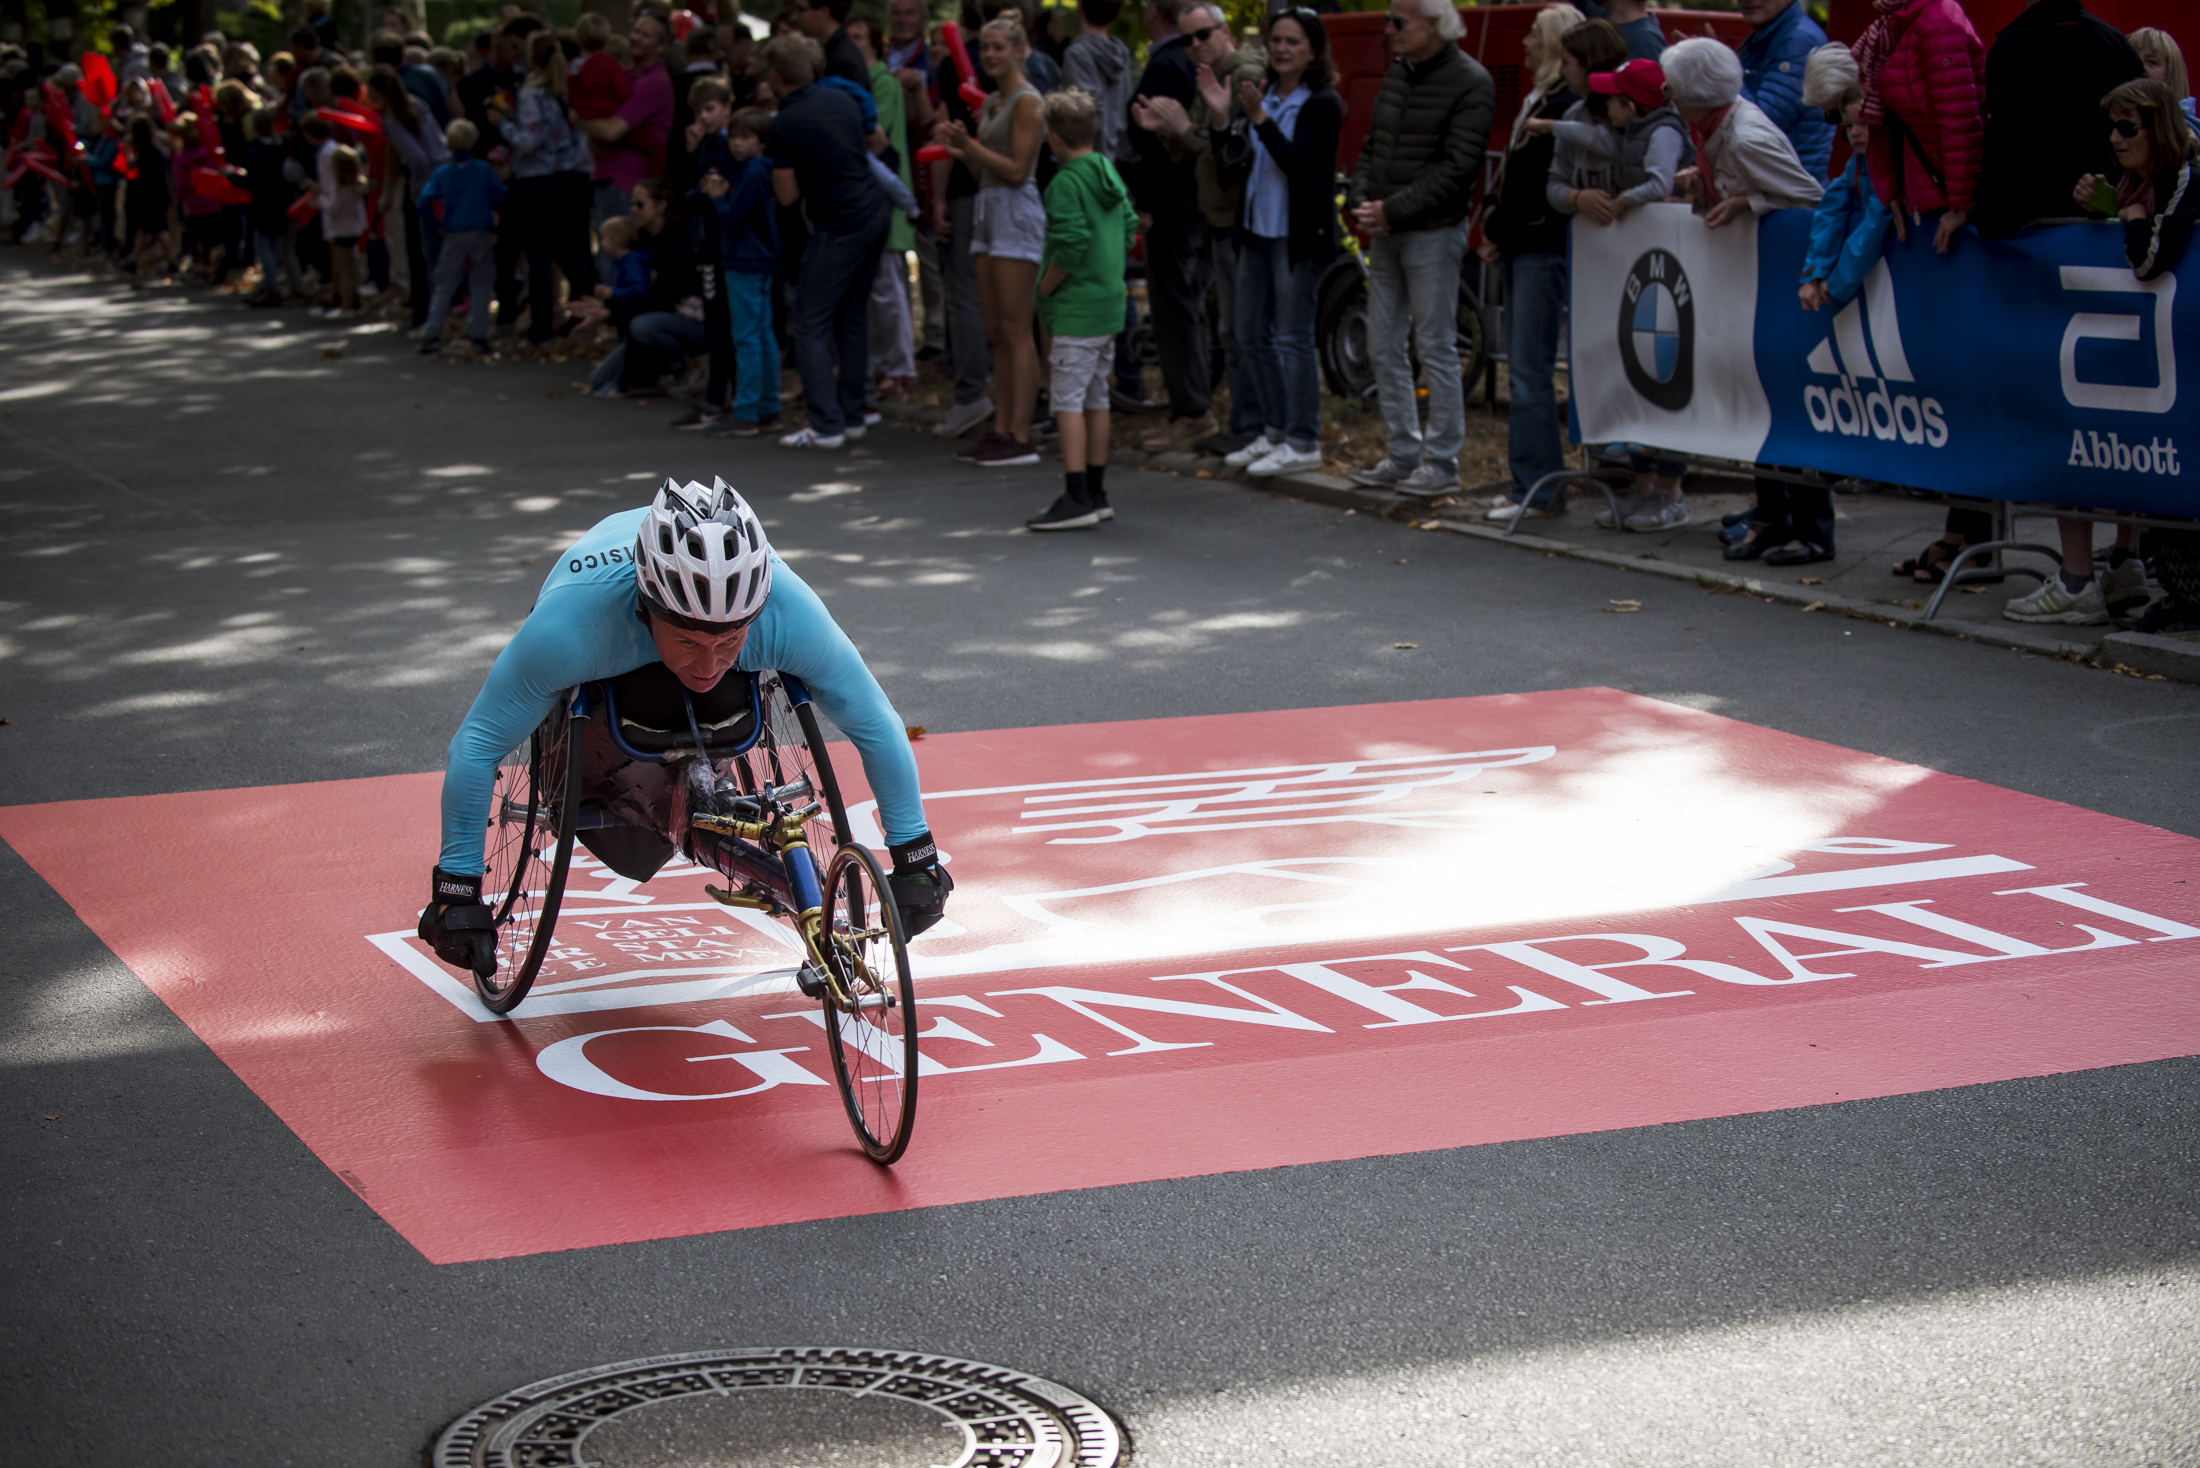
x=1524 y=235
x=1745 y=164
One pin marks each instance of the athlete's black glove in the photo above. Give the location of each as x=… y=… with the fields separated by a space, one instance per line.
x=457 y=926
x=920 y=884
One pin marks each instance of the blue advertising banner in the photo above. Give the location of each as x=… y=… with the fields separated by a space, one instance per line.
x=2036 y=369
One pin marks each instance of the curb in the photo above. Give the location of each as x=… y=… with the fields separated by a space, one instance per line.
x=2132 y=653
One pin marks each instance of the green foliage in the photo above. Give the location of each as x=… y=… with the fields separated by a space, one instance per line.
x=259 y=22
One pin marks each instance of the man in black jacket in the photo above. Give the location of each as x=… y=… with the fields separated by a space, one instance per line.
x=1411 y=191
x=2045 y=78
x=1179 y=264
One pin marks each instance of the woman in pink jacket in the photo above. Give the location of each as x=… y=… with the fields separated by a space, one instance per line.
x=1924 y=77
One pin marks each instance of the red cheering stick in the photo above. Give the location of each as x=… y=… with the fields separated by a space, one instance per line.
x=302 y=210
x=213 y=184
x=933 y=153
x=164 y=104
x=364 y=122
x=98 y=85
x=969 y=91
x=126 y=164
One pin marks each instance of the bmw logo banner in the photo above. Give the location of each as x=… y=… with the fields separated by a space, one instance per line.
x=2034 y=369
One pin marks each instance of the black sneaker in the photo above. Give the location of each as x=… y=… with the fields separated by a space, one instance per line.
x=988 y=442
x=1102 y=508
x=929 y=354
x=1066 y=513
x=1222 y=445
x=697 y=419
x=1004 y=453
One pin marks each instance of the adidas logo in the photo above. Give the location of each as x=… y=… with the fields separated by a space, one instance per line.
x=1879 y=411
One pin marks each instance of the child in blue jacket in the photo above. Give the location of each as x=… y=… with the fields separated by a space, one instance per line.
x=1849 y=231
x=748 y=252
x=468 y=192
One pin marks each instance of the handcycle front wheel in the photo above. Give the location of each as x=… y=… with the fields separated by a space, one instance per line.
x=529 y=852
x=874 y=1042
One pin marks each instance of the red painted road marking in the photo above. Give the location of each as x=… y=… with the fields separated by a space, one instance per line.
x=1179 y=946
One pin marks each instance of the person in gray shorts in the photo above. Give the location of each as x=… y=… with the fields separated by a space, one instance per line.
x=1008 y=235
x=1089 y=228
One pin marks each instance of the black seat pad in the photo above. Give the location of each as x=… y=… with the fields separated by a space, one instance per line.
x=652 y=712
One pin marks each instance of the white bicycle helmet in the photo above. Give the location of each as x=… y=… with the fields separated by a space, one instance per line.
x=701 y=557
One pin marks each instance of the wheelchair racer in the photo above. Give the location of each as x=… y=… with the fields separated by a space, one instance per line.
x=689 y=582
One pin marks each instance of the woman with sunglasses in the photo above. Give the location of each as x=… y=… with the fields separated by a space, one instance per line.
x=2157 y=202
x=2157 y=198
x=1286 y=236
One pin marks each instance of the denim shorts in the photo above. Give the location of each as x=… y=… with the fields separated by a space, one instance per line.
x=1080 y=367
x=1011 y=224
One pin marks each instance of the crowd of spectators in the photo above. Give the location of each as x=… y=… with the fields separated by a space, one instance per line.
x=712 y=199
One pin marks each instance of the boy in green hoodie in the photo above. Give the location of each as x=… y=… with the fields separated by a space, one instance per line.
x=1090 y=227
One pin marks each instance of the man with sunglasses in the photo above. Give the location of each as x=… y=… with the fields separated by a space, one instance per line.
x=1179 y=261
x=1411 y=192
x=688 y=591
x=826 y=22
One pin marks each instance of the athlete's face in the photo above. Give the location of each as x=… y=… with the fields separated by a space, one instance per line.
x=697 y=659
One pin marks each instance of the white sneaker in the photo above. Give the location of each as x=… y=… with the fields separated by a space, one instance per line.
x=1506 y=514
x=1260 y=448
x=853 y=432
x=963 y=417
x=1284 y=460
x=2125 y=586
x=368 y=290
x=2053 y=602
x=872 y=416
x=1661 y=514
x=810 y=438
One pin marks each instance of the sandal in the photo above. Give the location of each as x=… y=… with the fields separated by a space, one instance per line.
x=1927 y=569
x=1800 y=553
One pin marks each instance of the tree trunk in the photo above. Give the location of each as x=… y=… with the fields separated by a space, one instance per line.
x=14 y=21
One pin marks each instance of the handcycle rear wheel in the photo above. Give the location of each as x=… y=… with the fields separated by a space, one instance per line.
x=530 y=850
x=874 y=1049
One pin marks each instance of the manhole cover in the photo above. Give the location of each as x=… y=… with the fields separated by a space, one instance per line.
x=785 y=1407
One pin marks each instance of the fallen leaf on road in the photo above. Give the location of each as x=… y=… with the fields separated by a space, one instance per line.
x=330 y=354
x=915 y=731
x=1814 y=581
x=553 y=393
x=502 y=398
x=1405 y=646
x=1816 y=606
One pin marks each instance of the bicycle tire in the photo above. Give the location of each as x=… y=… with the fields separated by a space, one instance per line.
x=874 y=1051
x=540 y=797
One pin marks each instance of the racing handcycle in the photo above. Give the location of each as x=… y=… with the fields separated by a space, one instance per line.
x=738 y=779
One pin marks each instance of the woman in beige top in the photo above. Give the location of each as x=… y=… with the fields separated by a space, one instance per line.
x=1008 y=234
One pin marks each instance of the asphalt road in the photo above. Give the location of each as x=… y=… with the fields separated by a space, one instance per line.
x=235 y=557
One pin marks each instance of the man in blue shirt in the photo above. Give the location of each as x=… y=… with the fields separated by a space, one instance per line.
x=690 y=586
x=817 y=153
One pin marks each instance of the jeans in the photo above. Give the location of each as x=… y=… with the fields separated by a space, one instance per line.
x=654 y=341
x=1275 y=339
x=932 y=289
x=893 y=347
x=552 y=209
x=969 y=354
x=469 y=255
x=1413 y=281
x=416 y=263
x=268 y=251
x=755 y=349
x=829 y=311
x=1535 y=285
x=1238 y=369
x=1178 y=268
x=1130 y=375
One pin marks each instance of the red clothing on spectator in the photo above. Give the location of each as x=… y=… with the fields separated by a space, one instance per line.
x=597 y=87
x=648 y=115
x=1932 y=84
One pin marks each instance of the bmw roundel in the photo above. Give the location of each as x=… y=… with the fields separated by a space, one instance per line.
x=1657 y=330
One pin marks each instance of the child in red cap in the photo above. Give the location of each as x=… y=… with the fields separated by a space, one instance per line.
x=1640 y=132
